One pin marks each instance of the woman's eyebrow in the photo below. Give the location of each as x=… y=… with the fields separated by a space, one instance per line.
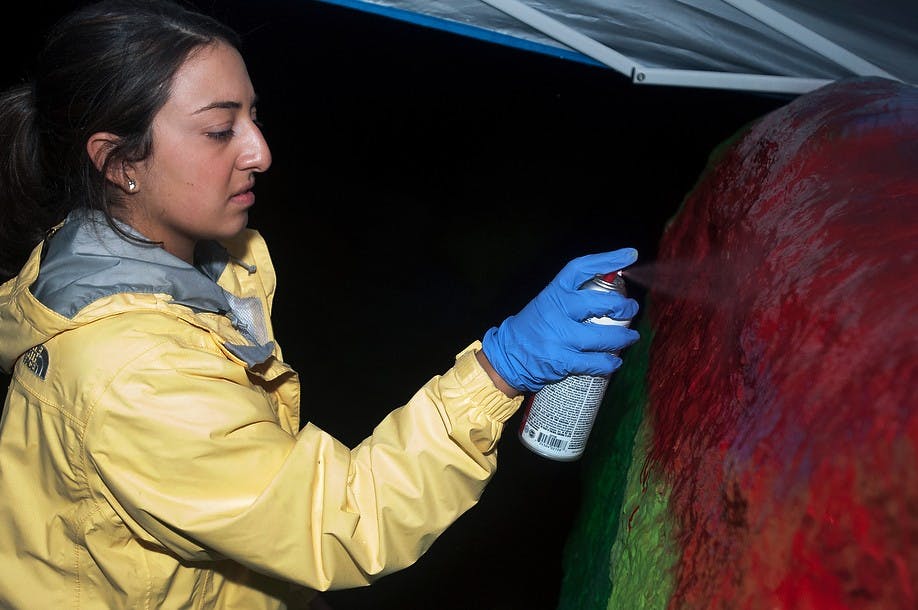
x=226 y=104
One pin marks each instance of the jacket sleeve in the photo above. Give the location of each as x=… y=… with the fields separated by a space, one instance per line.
x=192 y=458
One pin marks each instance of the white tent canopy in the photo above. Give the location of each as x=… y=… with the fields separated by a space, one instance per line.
x=773 y=46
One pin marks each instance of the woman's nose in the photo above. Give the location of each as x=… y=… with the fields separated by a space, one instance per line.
x=257 y=155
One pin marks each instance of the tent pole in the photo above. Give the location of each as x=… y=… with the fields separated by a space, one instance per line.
x=808 y=38
x=566 y=35
x=763 y=83
x=651 y=76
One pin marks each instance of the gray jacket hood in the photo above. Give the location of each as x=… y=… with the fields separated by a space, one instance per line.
x=86 y=260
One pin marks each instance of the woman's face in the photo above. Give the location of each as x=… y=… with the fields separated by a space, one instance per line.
x=207 y=148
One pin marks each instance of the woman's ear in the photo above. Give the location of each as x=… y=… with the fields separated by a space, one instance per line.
x=98 y=147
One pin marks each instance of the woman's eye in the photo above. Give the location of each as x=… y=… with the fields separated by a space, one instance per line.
x=221 y=135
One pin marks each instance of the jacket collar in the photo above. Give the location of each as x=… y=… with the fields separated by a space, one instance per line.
x=86 y=260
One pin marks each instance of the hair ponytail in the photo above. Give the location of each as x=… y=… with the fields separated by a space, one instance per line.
x=26 y=214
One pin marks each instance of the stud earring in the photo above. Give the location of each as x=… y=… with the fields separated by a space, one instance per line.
x=131 y=184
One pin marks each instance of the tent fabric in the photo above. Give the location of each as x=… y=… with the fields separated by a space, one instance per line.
x=757 y=45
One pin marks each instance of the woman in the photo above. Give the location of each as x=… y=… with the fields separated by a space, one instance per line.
x=150 y=447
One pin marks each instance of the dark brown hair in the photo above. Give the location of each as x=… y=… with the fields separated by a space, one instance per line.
x=106 y=67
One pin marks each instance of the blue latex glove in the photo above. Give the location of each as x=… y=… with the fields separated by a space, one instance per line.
x=549 y=339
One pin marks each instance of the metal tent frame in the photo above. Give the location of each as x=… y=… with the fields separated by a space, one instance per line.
x=752 y=45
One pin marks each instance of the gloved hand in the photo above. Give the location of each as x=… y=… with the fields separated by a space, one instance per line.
x=550 y=338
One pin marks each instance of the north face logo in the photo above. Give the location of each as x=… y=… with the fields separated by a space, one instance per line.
x=36 y=360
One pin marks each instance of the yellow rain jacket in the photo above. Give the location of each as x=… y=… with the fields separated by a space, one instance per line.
x=150 y=450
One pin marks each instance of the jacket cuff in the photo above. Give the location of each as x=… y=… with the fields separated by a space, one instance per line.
x=489 y=399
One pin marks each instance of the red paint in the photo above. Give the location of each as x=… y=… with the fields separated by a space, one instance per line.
x=631 y=517
x=783 y=384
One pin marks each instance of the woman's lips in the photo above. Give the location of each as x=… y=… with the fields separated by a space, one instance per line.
x=245 y=198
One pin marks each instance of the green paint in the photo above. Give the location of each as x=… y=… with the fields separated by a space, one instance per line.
x=605 y=466
x=644 y=552
x=610 y=563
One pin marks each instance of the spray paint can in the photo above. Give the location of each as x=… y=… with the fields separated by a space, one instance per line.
x=558 y=418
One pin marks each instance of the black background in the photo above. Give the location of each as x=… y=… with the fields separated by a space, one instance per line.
x=425 y=185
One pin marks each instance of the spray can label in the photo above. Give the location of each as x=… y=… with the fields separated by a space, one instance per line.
x=558 y=418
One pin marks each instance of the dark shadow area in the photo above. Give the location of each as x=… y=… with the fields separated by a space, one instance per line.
x=425 y=186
